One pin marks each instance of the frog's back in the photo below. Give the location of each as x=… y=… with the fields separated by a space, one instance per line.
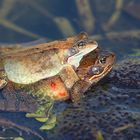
x=26 y=65
x=32 y=68
x=31 y=64
x=25 y=50
x=25 y=68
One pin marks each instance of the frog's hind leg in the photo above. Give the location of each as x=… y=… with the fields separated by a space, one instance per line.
x=69 y=76
x=43 y=111
x=45 y=115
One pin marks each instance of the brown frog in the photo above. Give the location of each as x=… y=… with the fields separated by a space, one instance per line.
x=29 y=65
x=92 y=68
x=55 y=73
x=33 y=68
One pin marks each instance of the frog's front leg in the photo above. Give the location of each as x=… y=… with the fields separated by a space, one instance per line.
x=68 y=76
x=75 y=85
x=78 y=89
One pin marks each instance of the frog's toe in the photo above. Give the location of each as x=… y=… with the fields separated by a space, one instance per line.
x=51 y=122
x=39 y=117
x=3 y=83
x=35 y=115
x=41 y=114
x=42 y=119
x=47 y=126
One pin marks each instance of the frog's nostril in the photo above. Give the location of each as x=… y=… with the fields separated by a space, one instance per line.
x=102 y=60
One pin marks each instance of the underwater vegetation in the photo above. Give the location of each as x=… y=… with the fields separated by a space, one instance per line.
x=9 y=18
x=110 y=109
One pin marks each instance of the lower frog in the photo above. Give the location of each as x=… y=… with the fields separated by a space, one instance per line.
x=91 y=69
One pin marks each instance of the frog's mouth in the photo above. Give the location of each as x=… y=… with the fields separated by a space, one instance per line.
x=75 y=59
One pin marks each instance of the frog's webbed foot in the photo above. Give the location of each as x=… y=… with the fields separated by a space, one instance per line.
x=50 y=123
x=44 y=114
x=43 y=111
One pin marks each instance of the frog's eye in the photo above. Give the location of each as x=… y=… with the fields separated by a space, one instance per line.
x=96 y=70
x=102 y=60
x=81 y=44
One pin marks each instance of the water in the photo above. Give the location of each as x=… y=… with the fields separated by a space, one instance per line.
x=26 y=21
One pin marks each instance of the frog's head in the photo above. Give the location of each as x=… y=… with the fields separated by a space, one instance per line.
x=97 y=67
x=81 y=48
x=92 y=68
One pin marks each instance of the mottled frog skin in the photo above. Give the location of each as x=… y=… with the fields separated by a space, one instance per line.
x=29 y=65
x=60 y=73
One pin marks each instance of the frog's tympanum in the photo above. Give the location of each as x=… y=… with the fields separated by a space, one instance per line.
x=58 y=70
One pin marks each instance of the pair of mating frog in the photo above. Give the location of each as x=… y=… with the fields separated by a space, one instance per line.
x=57 y=70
